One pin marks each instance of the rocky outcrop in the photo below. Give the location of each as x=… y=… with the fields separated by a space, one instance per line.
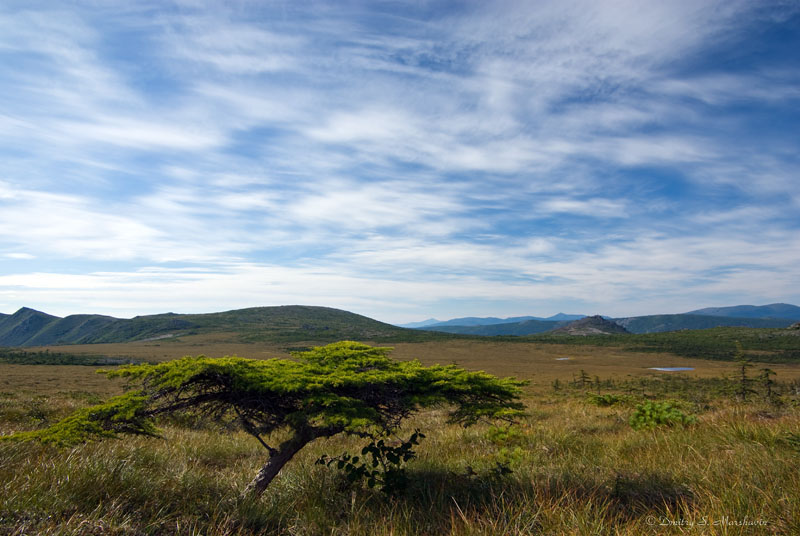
x=591 y=325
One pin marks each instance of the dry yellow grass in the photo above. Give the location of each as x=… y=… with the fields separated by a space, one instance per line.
x=46 y=379
x=211 y=345
x=540 y=363
x=578 y=468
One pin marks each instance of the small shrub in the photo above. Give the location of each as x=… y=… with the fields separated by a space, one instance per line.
x=505 y=435
x=38 y=411
x=608 y=399
x=385 y=469
x=507 y=456
x=652 y=414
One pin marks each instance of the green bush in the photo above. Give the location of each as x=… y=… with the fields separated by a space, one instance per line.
x=652 y=414
x=607 y=399
x=504 y=435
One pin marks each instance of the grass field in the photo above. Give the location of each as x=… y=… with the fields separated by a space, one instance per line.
x=577 y=467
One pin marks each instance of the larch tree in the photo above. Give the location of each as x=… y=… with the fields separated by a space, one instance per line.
x=342 y=388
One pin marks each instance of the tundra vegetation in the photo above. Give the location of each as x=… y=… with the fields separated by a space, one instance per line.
x=342 y=388
x=707 y=461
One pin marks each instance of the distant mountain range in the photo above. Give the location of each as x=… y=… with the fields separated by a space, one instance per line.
x=420 y=324
x=488 y=321
x=776 y=315
x=526 y=327
x=300 y=323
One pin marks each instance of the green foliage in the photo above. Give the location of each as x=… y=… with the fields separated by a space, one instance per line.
x=652 y=414
x=511 y=440
x=121 y=414
x=347 y=385
x=504 y=435
x=380 y=465
x=507 y=456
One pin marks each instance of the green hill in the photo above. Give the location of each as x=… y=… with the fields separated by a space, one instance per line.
x=773 y=310
x=289 y=323
x=22 y=326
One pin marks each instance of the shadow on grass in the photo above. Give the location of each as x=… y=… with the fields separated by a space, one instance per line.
x=439 y=501
x=140 y=495
x=629 y=495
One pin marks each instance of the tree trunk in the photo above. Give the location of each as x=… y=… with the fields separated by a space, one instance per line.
x=285 y=452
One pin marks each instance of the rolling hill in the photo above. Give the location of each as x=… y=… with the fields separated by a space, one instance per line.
x=289 y=323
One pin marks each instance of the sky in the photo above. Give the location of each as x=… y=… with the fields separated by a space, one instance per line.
x=399 y=159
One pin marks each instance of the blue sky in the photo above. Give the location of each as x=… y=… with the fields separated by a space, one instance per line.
x=399 y=159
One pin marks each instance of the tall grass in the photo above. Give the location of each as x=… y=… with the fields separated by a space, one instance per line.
x=577 y=468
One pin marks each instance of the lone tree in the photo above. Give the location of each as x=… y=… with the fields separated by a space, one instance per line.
x=345 y=387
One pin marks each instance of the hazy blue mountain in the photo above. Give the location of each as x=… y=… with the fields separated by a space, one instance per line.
x=483 y=321
x=420 y=324
x=560 y=317
x=527 y=327
x=774 y=310
x=637 y=324
x=491 y=320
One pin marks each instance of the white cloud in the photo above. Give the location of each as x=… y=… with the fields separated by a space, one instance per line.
x=139 y=134
x=232 y=47
x=598 y=208
x=20 y=256
x=419 y=162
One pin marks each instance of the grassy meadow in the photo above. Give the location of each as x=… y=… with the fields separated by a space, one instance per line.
x=576 y=464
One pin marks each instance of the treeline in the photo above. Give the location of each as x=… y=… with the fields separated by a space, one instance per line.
x=15 y=356
x=721 y=344
x=744 y=383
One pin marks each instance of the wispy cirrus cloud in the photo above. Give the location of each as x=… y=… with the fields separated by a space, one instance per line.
x=401 y=159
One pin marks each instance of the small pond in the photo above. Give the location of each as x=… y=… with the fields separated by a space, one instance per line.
x=563 y=358
x=671 y=369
